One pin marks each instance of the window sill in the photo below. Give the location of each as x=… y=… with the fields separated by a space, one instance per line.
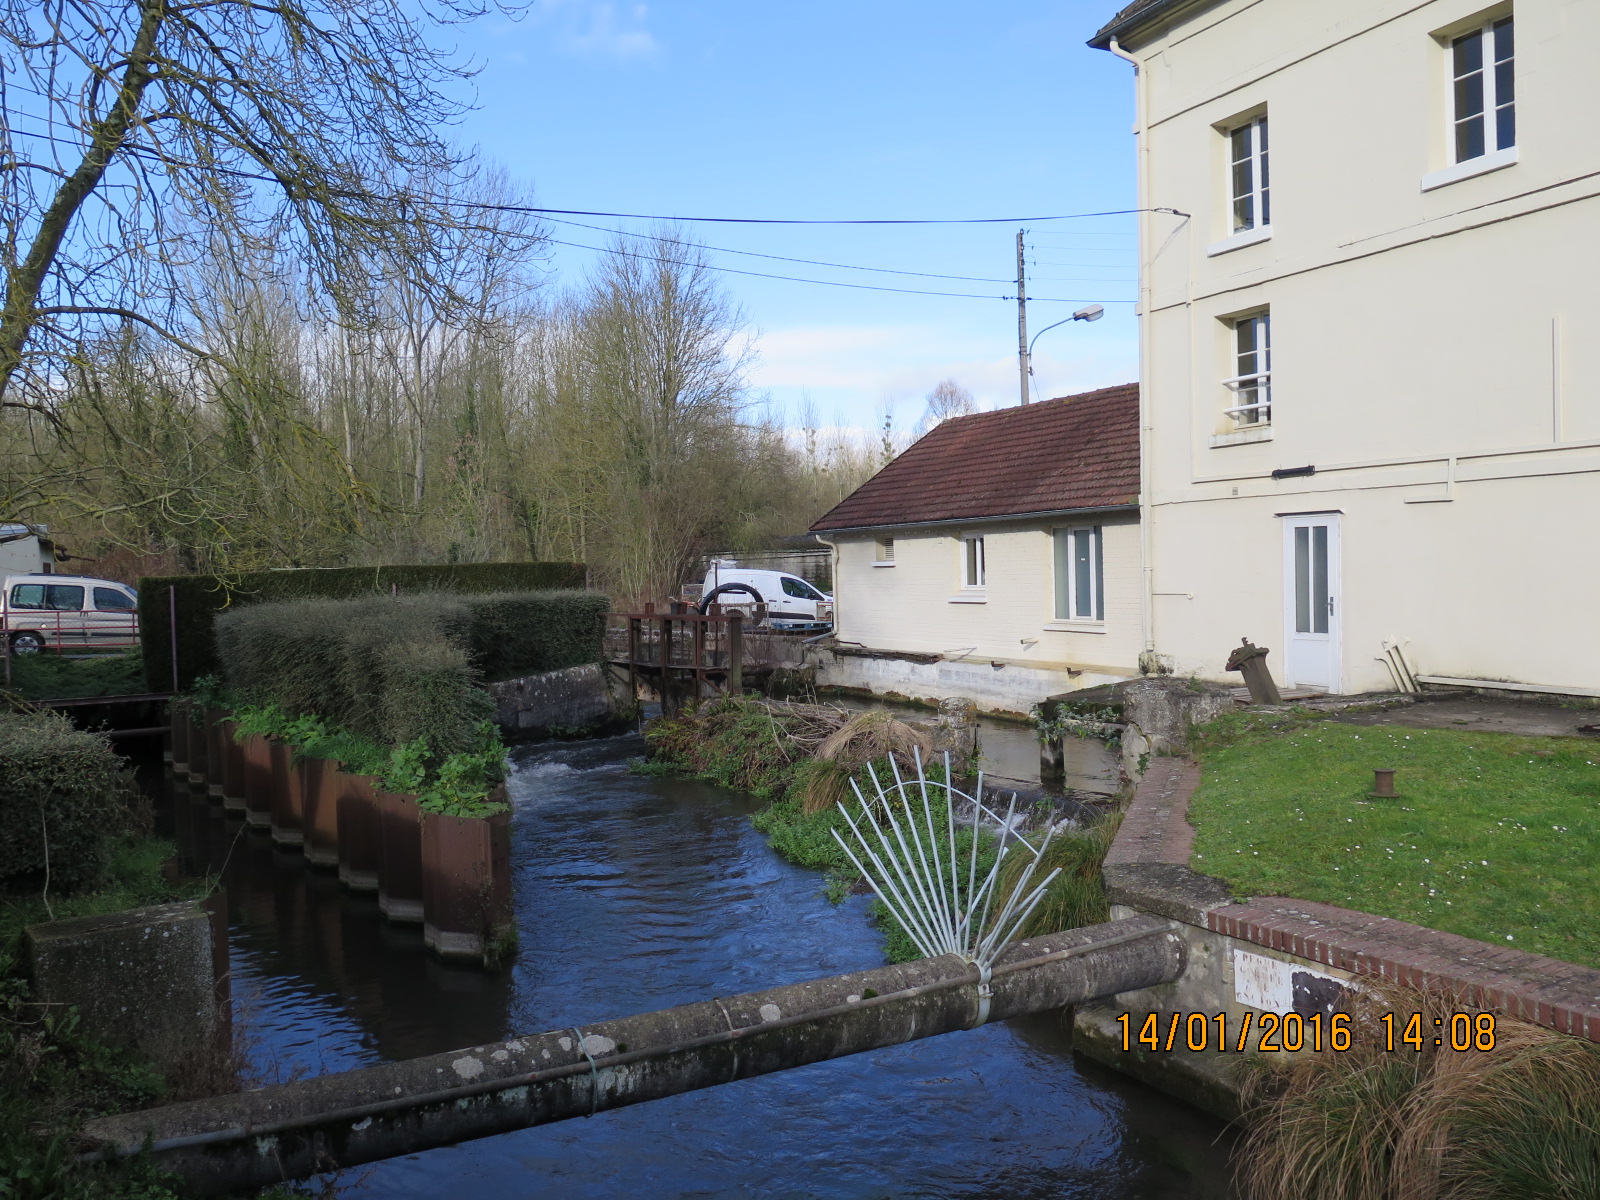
x=1245 y=237
x=1076 y=627
x=1482 y=165
x=973 y=597
x=883 y=564
x=1242 y=437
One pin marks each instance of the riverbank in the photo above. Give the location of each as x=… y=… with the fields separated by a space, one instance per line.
x=52 y=1077
x=1486 y=839
x=1470 y=1067
x=800 y=759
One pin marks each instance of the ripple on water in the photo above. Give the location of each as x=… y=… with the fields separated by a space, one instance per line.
x=636 y=894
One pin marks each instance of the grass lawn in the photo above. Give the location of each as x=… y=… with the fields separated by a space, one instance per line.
x=1494 y=835
x=49 y=676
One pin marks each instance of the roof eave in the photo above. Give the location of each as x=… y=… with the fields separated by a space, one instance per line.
x=1123 y=27
x=989 y=519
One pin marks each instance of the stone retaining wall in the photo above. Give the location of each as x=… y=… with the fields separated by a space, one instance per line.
x=1297 y=954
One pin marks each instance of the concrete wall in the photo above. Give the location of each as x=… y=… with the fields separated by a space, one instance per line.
x=554 y=701
x=1419 y=337
x=918 y=605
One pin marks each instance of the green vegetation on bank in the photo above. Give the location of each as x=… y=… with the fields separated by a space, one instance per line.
x=1370 y=1124
x=67 y=795
x=391 y=685
x=200 y=597
x=1490 y=838
x=801 y=757
x=51 y=676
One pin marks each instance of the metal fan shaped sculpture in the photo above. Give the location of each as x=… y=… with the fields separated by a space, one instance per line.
x=905 y=845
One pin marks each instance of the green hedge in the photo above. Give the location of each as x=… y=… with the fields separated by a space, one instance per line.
x=512 y=634
x=395 y=669
x=200 y=597
x=61 y=792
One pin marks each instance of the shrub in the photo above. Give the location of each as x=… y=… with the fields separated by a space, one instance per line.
x=519 y=633
x=61 y=798
x=200 y=597
x=1428 y=1123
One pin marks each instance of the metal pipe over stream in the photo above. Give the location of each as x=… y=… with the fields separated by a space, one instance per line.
x=288 y=1131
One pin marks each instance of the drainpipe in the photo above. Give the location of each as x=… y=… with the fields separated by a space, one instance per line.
x=1141 y=91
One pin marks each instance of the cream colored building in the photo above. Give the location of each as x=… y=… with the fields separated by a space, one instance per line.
x=997 y=558
x=1371 y=336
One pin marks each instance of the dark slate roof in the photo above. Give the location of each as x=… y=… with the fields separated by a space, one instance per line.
x=1077 y=452
x=1140 y=12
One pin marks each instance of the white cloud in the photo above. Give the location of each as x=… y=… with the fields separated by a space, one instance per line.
x=599 y=28
x=853 y=369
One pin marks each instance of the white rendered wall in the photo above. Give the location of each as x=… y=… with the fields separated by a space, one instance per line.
x=1410 y=328
x=919 y=605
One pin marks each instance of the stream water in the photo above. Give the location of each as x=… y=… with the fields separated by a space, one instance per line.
x=635 y=894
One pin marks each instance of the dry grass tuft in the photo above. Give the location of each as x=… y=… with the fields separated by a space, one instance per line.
x=1521 y=1120
x=867 y=736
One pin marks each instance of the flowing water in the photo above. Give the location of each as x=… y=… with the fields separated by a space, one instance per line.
x=636 y=894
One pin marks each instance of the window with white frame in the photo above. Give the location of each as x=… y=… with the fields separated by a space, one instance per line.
x=1080 y=582
x=885 y=550
x=1483 y=94
x=1251 y=383
x=972 y=569
x=1248 y=178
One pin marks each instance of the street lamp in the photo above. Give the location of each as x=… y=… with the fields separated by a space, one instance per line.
x=1089 y=312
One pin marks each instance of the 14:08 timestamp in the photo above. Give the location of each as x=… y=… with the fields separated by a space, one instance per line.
x=1270 y=1032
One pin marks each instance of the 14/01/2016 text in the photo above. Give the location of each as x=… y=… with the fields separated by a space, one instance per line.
x=1269 y=1032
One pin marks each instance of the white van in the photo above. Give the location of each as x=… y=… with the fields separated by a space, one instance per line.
x=67 y=612
x=788 y=602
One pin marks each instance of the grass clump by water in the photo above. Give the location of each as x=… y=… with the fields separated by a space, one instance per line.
x=802 y=758
x=1490 y=838
x=1431 y=1124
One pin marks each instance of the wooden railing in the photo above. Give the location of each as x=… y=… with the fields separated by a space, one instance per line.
x=686 y=652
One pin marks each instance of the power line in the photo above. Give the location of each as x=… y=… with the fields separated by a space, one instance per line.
x=580 y=212
x=810 y=262
x=867 y=287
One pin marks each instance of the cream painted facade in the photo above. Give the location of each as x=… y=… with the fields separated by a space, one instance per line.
x=1000 y=644
x=1435 y=344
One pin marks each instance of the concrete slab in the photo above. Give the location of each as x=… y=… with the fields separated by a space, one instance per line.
x=144 y=978
x=1479 y=715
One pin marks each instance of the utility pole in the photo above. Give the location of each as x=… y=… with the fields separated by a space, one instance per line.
x=1022 y=317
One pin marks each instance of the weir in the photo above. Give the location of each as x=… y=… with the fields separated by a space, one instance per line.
x=289 y=1131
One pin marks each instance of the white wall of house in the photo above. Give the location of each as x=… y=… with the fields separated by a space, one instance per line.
x=1435 y=340
x=920 y=604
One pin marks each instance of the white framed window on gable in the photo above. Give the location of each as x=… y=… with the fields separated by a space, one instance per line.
x=883 y=552
x=1481 y=107
x=1251 y=383
x=1080 y=573
x=973 y=573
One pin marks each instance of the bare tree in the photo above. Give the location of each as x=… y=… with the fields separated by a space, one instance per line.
x=947 y=399
x=140 y=134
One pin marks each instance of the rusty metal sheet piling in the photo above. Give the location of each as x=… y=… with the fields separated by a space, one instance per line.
x=258 y=1138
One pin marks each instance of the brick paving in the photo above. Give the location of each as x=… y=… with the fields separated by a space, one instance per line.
x=1546 y=991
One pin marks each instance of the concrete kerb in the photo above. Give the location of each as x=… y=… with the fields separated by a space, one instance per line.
x=1237 y=949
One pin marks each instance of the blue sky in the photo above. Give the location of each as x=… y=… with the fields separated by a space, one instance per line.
x=880 y=109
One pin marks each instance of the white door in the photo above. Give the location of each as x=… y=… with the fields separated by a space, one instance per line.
x=1311 y=601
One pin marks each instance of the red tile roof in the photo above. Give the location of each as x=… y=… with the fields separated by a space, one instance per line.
x=1077 y=452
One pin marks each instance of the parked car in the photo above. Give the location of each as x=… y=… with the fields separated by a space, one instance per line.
x=781 y=600
x=67 y=612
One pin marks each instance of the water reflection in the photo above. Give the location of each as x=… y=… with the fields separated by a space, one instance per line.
x=635 y=894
